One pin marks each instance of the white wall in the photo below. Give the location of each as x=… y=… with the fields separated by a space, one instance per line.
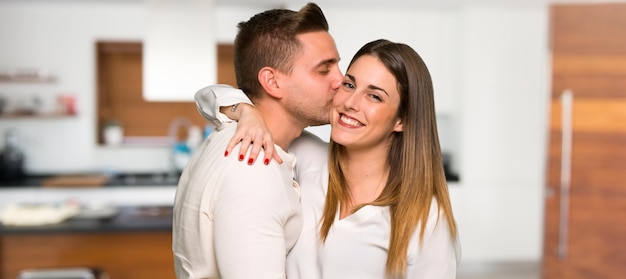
x=59 y=37
x=503 y=122
x=489 y=66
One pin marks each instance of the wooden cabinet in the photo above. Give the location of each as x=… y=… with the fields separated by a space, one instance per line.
x=123 y=255
x=585 y=221
x=120 y=92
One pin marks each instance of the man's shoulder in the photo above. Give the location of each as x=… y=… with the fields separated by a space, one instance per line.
x=226 y=129
x=257 y=180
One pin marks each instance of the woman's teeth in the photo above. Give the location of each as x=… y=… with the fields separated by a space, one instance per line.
x=350 y=121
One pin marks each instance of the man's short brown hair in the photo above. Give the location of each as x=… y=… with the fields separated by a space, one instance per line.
x=268 y=39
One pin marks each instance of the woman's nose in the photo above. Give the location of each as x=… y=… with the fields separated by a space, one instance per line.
x=352 y=101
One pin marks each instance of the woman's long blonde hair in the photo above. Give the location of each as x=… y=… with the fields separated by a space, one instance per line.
x=414 y=163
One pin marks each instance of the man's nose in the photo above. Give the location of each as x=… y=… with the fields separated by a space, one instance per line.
x=337 y=79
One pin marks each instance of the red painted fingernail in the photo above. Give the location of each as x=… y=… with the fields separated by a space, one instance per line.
x=226 y=153
x=240 y=157
x=266 y=162
x=250 y=161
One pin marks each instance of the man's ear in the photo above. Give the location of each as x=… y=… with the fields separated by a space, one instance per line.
x=268 y=77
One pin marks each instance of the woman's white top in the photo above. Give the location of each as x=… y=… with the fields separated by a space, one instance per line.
x=357 y=245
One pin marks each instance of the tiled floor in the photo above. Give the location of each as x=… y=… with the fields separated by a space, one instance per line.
x=522 y=270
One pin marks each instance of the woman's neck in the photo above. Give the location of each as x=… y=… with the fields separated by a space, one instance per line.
x=366 y=176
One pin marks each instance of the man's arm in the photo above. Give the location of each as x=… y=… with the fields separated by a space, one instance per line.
x=222 y=104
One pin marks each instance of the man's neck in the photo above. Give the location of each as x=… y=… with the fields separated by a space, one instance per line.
x=283 y=127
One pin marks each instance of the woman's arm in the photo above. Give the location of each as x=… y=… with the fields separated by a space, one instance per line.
x=209 y=100
x=222 y=104
x=439 y=255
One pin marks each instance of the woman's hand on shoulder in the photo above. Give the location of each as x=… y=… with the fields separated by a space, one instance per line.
x=253 y=135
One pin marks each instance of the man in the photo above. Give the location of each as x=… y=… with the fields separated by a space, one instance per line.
x=236 y=223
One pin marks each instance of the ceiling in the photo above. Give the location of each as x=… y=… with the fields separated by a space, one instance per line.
x=400 y=3
x=367 y=3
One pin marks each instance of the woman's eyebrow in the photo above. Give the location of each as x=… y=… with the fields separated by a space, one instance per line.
x=371 y=86
x=374 y=87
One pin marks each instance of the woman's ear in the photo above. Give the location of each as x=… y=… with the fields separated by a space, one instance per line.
x=398 y=126
x=268 y=77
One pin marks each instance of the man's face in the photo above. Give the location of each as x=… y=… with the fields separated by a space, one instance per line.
x=314 y=80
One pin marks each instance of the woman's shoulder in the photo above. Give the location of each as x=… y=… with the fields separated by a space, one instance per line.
x=308 y=139
x=311 y=153
x=436 y=216
x=435 y=223
x=438 y=255
x=308 y=144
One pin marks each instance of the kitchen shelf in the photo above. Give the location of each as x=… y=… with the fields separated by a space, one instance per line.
x=12 y=116
x=27 y=79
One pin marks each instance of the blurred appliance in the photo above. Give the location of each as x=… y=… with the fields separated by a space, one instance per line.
x=11 y=158
x=63 y=273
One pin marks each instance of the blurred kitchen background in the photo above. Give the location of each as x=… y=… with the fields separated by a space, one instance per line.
x=82 y=123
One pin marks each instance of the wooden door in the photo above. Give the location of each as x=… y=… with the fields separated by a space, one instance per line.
x=585 y=217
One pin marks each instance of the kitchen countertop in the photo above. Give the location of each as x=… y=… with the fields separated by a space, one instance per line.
x=136 y=196
x=119 y=196
x=119 y=179
x=127 y=218
x=143 y=202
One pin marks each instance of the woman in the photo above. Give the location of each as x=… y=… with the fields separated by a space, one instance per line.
x=387 y=212
x=386 y=170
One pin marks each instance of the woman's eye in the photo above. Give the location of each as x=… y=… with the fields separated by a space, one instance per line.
x=376 y=97
x=348 y=85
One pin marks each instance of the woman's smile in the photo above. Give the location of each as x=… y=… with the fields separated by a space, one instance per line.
x=349 y=122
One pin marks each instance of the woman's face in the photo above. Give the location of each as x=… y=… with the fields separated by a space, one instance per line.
x=365 y=106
